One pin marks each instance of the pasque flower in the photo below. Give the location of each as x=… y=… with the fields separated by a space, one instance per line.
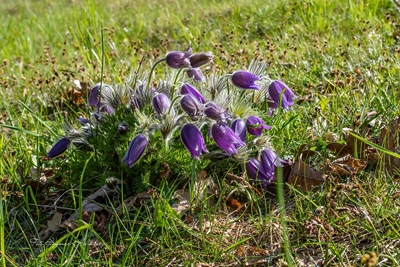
x=239 y=128
x=245 y=80
x=190 y=106
x=195 y=74
x=179 y=60
x=193 y=140
x=216 y=112
x=225 y=138
x=264 y=170
x=161 y=103
x=278 y=89
x=188 y=89
x=199 y=59
x=135 y=150
x=255 y=125
x=270 y=160
x=59 y=147
x=255 y=170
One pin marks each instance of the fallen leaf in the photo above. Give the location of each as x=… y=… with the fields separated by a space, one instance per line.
x=53 y=225
x=303 y=175
x=346 y=165
x=90 y=205
x=183 y=198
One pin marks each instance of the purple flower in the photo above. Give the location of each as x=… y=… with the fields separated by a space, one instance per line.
x=195 y=74
x=255 y=170
x=190 y=106
x=245 y=80
x=216 y=112
x=239 y=128
x=199 y=59
x=225 y=138
x=193 y=140
x=277 y=89
x=135 y=150
x=59 y=147
x=83 y=120
x=188 y=89
x=179 y=60
x=161 y=103
x=255 y=125
x=269 y=160
x=123 y=127
x=94 y=95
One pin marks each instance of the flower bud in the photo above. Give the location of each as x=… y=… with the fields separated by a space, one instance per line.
x=225 y=138
x=188 y=89
x=255 y=125
x=135 y=150
x=123 y=128
x=179 y=60
x=216 y=112
x=59 y=147
x=199 y=59
x=239 y=128
x=161 y=103
x=277 y=89
x=195 y=74
x=193 y=140
x=190 y=106
x=245 y=80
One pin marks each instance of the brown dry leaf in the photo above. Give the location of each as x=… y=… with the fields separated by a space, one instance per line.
x=89 y=205
x=354 y=146
x=303 y=175
x=53 y=225
x=131 y=202
x=310 y=261
x=346 y=165
x=183 y=198
x=205 y=187
x=389 y=139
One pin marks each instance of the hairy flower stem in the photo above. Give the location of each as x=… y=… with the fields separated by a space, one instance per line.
x=174 y=83
x=165 y=147
x=281 y=202
x=151 y=71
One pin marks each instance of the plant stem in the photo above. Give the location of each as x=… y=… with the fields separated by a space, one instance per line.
x=151 y=72
x=80 y=186
x=281 y=202
x=2 y=239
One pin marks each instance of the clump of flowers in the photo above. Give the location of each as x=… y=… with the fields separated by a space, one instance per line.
x=145 y=116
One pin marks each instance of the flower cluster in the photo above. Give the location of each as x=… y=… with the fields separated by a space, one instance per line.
x=196 y=106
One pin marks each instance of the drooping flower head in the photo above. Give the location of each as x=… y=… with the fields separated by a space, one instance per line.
x=256 y=171
x=216 y=112
x=59 y=147
x=188 y=89
x=255 y=125
x=278 y=89
x=193 y=140
x=199 y=59
x=179 y=60
x=225 y=138
x=190 y=106
x=245 y=80
x=195 y=74
x=161 y=103
x=239 y=128
x=135 y=150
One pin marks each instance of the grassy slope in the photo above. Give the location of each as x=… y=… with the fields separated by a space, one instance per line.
x=341 y=55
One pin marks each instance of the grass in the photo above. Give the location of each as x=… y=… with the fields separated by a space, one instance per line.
x=340 y=57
